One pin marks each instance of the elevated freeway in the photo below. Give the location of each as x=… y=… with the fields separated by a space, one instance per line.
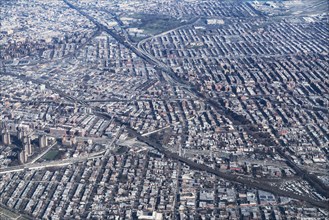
x=174 y=79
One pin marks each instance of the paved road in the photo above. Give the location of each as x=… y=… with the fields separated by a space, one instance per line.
x=177 y=81
x=43 y=153
x=174 y=80
x=231 y=177
x=57 y=163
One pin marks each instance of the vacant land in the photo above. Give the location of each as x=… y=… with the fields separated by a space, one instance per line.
x=154 y=24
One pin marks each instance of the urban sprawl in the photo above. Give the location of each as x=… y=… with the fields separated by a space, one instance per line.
x=164 y=109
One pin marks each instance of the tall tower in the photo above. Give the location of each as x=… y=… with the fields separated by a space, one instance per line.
x=27 y=146
x=6 y=137
x=20 y=134
x=43 y=141
x=22 y=157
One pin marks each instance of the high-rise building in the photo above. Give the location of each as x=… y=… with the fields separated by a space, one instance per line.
x=22 y=157
x=20 y=134
x=43 y=141
x=6 y=137
x=27 y=145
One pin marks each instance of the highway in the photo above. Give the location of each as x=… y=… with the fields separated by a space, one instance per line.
x=250 y=182
x=98 y=140
x=97 y=101
x=173 y=80
x=178 y=81
x=43 y=153
x=58 y=163
x=140 y=53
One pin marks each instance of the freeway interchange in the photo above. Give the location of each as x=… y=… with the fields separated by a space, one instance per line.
x=174 y=80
